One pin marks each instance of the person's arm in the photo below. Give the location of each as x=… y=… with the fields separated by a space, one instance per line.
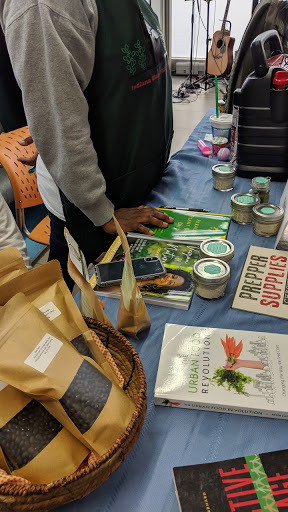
x=244 y=363
x=52 y=53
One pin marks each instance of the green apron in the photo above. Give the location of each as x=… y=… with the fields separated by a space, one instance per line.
x=130 y=112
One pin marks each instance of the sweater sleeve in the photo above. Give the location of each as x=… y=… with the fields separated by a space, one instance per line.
x=52 y=55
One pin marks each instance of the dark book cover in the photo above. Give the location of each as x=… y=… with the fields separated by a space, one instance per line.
x=254 y=483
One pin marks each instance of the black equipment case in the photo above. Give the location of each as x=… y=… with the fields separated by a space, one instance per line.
x=262 y=105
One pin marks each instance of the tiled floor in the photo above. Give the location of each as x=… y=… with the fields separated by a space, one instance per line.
x=186 y=117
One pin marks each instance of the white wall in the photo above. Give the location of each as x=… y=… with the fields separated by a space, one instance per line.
x=239 y=15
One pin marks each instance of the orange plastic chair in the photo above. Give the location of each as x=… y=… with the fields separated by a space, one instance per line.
x=23 y=182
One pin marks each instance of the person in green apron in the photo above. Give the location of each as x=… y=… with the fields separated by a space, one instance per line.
x=97 y=95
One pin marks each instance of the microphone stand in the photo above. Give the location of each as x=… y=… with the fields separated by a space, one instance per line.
x=207 y=79
x=192 y=41
x=188 y=84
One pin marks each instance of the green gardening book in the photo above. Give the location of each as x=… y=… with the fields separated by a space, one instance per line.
x=175 y=289
x=190 y=227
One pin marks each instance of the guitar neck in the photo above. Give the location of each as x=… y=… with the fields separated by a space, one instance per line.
x=225 y=17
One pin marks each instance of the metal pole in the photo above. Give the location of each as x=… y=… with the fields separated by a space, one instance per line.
x=207 y=43
x=192 y=40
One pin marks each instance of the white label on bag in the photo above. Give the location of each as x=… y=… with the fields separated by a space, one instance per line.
x=77 y=256
x=44 y=353
x=3 y=385
x=50 y=310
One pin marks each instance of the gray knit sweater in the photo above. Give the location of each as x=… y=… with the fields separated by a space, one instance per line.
x=51 y=44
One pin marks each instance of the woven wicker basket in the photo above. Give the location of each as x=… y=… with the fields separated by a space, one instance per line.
x=47 y=497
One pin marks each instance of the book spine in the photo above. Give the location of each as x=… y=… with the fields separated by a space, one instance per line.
x=230 y=409
x=179 y=241
x=112 y=251
x=166 y=303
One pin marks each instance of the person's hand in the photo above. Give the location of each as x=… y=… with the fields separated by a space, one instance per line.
x=230 y=366
x=134 y=219
x=28 y=160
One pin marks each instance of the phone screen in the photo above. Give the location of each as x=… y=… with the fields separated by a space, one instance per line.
x=107 y=272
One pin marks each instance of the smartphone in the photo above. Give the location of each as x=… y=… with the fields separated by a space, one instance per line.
x=109 y=274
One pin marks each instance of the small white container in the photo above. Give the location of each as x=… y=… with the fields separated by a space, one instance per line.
x=221 y=126
x=210 y=277
x=223 y=177
x=217 y=248
x=267 y=219
x=242 y=205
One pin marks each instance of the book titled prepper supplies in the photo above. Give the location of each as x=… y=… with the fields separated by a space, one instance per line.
x=263 y=284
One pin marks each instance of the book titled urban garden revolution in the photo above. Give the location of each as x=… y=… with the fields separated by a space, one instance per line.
x=190 y=227
x=253 y=483
x=223 y=370
x=263 y=284
x=175 y=289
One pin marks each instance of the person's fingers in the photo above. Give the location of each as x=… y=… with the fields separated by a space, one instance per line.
x=141 y=228
x=26 y=142
x=153 y=217
x=138 y=219
x=151 y=213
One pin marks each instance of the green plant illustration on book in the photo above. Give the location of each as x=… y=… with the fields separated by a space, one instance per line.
x=228 y=376
x=168 y=403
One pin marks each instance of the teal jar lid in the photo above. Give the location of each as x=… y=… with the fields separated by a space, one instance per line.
x=211 y=271
x=217 y=248
x=267 y=213
x=244 y=201
x=261 y=183
x=225 y=170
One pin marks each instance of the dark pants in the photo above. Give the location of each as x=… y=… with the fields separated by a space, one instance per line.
x=59 y=247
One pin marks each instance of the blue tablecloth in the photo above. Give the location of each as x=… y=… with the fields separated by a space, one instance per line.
x=171 y=436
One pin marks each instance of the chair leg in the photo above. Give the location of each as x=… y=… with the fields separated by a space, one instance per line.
x=20 y=219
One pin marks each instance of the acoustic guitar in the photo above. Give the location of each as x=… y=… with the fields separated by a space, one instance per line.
x=220 y=56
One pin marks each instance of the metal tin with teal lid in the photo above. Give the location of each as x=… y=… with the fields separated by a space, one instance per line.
x=223 y=177
x=242 y=205
x=267 y=219
x=261 y=187
x=210 y=277
x=217 y=248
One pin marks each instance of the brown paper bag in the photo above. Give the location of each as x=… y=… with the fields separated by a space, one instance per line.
x=3 y=463
x=36 y=358
x=77 y=268
x=11 y=264
x=45 y=287
x=33 y=444
x=133 y=318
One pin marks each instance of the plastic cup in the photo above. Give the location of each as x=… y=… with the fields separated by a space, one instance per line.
x=221 y=126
